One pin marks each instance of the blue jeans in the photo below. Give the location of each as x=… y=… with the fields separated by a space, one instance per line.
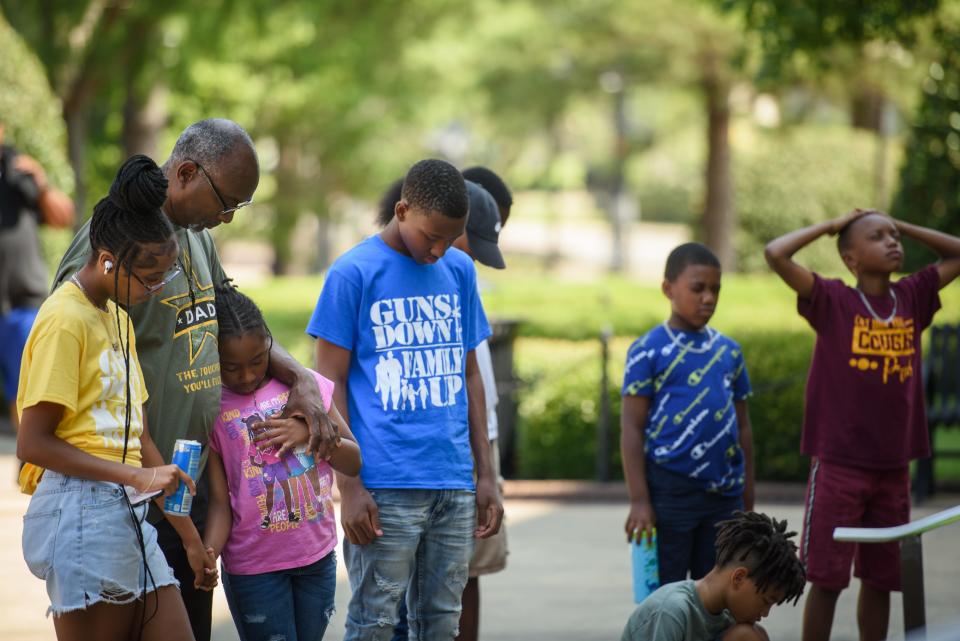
x=687 y=517
x=14 y=329
x=425 y=551
x=294 y=604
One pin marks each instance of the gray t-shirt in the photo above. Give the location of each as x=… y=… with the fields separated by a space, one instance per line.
x=176 y=332
x=23 y=273
x=675 y=613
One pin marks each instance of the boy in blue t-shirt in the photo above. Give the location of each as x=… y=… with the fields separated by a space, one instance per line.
x=396 y=325
x=685 y=431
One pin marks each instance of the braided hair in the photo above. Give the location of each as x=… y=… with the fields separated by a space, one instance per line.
x=130 y=215
x=762 y=545
x=237 y=314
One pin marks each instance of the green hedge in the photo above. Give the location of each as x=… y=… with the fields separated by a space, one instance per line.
x=559 y=410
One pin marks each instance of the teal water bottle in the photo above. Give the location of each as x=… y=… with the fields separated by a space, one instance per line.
x=646 y=573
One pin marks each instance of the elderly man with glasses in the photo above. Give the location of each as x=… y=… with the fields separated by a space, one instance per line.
x=212 y=173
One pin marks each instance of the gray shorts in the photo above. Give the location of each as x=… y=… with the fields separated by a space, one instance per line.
x=80 y=538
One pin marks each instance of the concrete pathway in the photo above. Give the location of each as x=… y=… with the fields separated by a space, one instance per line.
x=568 y=577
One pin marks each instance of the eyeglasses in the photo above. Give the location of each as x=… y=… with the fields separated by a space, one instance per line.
x=226 y=210
x=153 y=289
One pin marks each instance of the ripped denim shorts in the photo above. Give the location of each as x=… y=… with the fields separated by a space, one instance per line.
x=80 y=537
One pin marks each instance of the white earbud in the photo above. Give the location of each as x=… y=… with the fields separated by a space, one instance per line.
x=107 y=266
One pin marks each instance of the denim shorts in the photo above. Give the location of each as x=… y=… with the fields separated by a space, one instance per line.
x=79 y=537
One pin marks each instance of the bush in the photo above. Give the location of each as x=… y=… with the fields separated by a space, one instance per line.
x=31 y=113
x=787 y=180
x=557 y=429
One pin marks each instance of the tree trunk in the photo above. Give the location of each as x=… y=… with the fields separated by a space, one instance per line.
x=76 y=120
x=144 y=105
x=617 y=214
x=324 y=254
x=144 y=120
x=866 y=107
x=719 y=219
x=286 y=209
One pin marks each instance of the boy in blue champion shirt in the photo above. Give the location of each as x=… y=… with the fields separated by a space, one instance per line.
x=396 y=325
x=686 y=437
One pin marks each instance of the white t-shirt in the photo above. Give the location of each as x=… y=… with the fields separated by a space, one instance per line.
x=485 y=363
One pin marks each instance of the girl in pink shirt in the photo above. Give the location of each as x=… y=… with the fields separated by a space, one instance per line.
x=271 y=509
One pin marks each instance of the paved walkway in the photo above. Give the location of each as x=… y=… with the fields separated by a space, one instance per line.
x=568 y=577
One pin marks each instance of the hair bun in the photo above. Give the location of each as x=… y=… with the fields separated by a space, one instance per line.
x=140 y=187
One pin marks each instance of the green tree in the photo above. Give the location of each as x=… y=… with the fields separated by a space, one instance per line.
x=29 y=110
x=541 y=60
x=323 y=85
x=100 y=58
x=930 y=175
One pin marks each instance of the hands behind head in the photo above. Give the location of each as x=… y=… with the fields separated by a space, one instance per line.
x=838 y=224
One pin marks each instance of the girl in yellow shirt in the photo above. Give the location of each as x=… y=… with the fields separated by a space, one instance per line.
x=84 y=437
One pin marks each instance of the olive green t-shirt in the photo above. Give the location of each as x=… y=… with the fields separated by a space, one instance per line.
x=176 y=340
x=675 y=613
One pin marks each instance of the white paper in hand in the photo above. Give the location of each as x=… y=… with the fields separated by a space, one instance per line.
x=137 y=497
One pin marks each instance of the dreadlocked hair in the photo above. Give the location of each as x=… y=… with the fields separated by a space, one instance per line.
x=763 y=546
x=237 y=314
x=130 y=213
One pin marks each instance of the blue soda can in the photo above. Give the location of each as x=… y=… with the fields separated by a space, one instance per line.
x=186 y=456
x=646 y=572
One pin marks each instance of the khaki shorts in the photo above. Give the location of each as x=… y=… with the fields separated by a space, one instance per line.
x=490 y=555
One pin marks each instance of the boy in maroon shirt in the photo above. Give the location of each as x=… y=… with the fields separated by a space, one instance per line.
x=864 y=417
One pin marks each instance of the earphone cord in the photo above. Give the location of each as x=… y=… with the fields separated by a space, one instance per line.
x=147 y=574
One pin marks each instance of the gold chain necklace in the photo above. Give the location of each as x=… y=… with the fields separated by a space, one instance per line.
x=113 y=343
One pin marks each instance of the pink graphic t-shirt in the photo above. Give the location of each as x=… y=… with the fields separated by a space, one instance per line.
x=282 y=507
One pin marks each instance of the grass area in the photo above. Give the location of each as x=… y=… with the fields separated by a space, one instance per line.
x=553 y=308
x=947 y=469
x=562 y=320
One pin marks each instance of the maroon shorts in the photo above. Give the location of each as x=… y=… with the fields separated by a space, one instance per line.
x=841 y=496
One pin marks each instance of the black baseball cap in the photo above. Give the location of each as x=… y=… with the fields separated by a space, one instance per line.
x=483 y=227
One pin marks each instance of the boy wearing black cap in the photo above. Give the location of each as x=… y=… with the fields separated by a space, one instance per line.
x=480 y=242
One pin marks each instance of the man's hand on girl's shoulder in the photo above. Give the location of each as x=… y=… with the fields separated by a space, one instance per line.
x=306 y=402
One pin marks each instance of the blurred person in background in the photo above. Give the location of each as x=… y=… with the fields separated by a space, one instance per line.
x=27 y=201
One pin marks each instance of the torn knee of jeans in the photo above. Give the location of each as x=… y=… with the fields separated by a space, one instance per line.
x=394 y=591
x=458 y=576
x=329 y=612
x=255 y=618
x=277 y=637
